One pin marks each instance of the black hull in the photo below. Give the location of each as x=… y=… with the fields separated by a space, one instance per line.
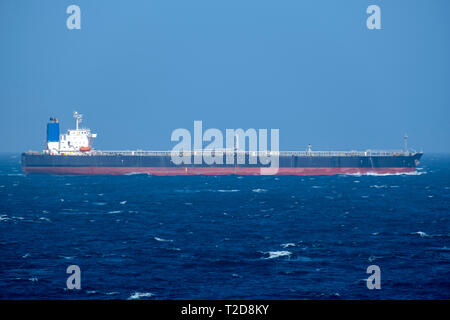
x=288 y=164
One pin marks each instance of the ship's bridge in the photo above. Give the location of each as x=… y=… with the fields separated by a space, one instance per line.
x=74 y=141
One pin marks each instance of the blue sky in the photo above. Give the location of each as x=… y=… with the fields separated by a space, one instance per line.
x=140 y=69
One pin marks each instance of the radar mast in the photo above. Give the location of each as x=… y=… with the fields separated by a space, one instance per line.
x=78 y=118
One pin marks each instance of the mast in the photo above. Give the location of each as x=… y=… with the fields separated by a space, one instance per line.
x=405 y=137
x=308 y=152
x=78 y=118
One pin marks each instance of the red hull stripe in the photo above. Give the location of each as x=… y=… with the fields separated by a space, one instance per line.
x=166 y=171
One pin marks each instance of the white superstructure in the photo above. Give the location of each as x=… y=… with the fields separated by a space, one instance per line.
x=75 y=141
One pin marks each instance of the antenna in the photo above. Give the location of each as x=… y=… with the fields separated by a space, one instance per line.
x=405 y=137
x=78 y=118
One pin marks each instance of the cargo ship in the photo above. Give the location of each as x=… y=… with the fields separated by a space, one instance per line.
x=73 y=154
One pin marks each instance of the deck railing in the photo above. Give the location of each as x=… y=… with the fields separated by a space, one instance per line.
x=252 y=153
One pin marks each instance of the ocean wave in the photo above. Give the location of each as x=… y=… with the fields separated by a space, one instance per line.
x=162 y=240
x=232 y=190
x=376 y=174
x=378 y=187
x=138 y=295
x=441 y=248
x=67 y=257
x=4 y=217
x=173 y=249
x=421 y=234
x=259 y=190
x=287 y=245
x=415 y=173
x=373 y=258
x=186 y=191
x=277 y=254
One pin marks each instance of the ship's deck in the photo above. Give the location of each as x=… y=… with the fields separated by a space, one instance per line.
x=368 y=153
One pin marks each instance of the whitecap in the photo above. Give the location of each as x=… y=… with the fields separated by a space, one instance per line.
x=259 y=190
x=115 y=211
x=287 y=245
x=277 y=254
x=233 y=190
x=414 y=173
x=421 y=234
x=26 y=255
x=138 y=295
x=123 y=202
x=67 y=257
x=376 y=174
x=162 y=240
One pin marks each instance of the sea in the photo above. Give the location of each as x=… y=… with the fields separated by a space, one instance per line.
x=225 y=237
